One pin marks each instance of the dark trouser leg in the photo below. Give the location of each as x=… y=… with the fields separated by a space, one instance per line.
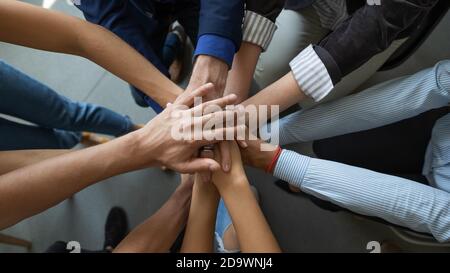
x=396 y=149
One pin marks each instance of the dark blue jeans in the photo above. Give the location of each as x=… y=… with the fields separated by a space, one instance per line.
x=58 y=120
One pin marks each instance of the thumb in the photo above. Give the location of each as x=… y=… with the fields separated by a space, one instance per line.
x=199 y=165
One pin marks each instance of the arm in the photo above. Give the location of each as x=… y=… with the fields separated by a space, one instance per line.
x=12 y=160
x=220 y=36
x=31 y=26
x=199 y=235
x=32 y=189
x=258 y=30
x=159 y=232
x=396 y=200
x=252 y=229
x=377 y=106
x=370 y=30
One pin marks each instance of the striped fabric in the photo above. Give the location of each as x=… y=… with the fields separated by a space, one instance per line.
x=396 y=200
x=379 y=105
x=437 y=162
x=399 y=201
x=311 y=74
x=258 y=30
x=331 y=12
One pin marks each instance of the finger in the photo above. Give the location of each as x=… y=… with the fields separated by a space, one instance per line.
x=188 y=97
x=242 y=143
x=216 y=118
x=215 y=105
x=220 y=134
x=198 y=165
x=206 y=152
x=225 y=153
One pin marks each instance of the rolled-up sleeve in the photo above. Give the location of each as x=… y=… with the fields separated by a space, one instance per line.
x=369 y=31
x=382 y=104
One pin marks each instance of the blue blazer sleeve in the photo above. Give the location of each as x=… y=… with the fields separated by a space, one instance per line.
x=222 y=18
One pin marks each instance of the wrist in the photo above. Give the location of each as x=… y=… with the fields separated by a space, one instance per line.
x=137 y=150
x=209 y=69
x=230 y=182
x=262 y=159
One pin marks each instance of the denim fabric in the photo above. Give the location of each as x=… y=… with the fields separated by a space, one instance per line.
x=59 y=120
x=223 y=220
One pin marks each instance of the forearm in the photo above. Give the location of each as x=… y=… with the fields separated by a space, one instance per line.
x=372 y=108
x=199 y=236
x=109 y=51
x=12 y=160
x=31 y=26
x=32 y=189
x=253 y=231
x=241 y=75
x=285 y=92
x=159 y=232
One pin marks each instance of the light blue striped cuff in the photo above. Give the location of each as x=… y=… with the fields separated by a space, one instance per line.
x=311 y=74
x=289 y=172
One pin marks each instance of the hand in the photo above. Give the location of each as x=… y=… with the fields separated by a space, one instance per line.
x=208 y=69
x=236 y=175
x=253 y=156
x=157 y=145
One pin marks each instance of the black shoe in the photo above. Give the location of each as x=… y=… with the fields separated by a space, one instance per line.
x=116 y=228
x=177 y=67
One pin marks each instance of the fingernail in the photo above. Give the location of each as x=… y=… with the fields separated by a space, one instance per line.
x=226 y=167
x=244 y=144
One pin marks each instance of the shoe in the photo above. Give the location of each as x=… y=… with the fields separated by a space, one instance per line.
x=116 y=228
x=176 y=68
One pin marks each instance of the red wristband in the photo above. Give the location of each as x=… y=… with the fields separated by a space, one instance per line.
x=273 y=162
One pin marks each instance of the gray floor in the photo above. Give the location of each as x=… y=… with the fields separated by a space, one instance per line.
x=298 y=224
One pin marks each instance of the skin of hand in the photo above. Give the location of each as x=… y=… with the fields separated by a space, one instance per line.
x=239 y=81
x=31 y=189
x=35 y=27
x=253 y=156
x=209 y=69
x=252 y=229
x=213 y=70
x=181 y=155
x=199 y=235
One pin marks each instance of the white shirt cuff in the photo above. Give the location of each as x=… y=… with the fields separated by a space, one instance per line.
x=311 y=74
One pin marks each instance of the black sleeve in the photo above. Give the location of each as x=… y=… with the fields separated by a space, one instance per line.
x=267 y=8
x=369 y=31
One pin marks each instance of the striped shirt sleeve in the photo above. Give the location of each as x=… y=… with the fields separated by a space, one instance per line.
x=379 y=105
x=311 y=74
x=394 y=199
x=258 y=29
